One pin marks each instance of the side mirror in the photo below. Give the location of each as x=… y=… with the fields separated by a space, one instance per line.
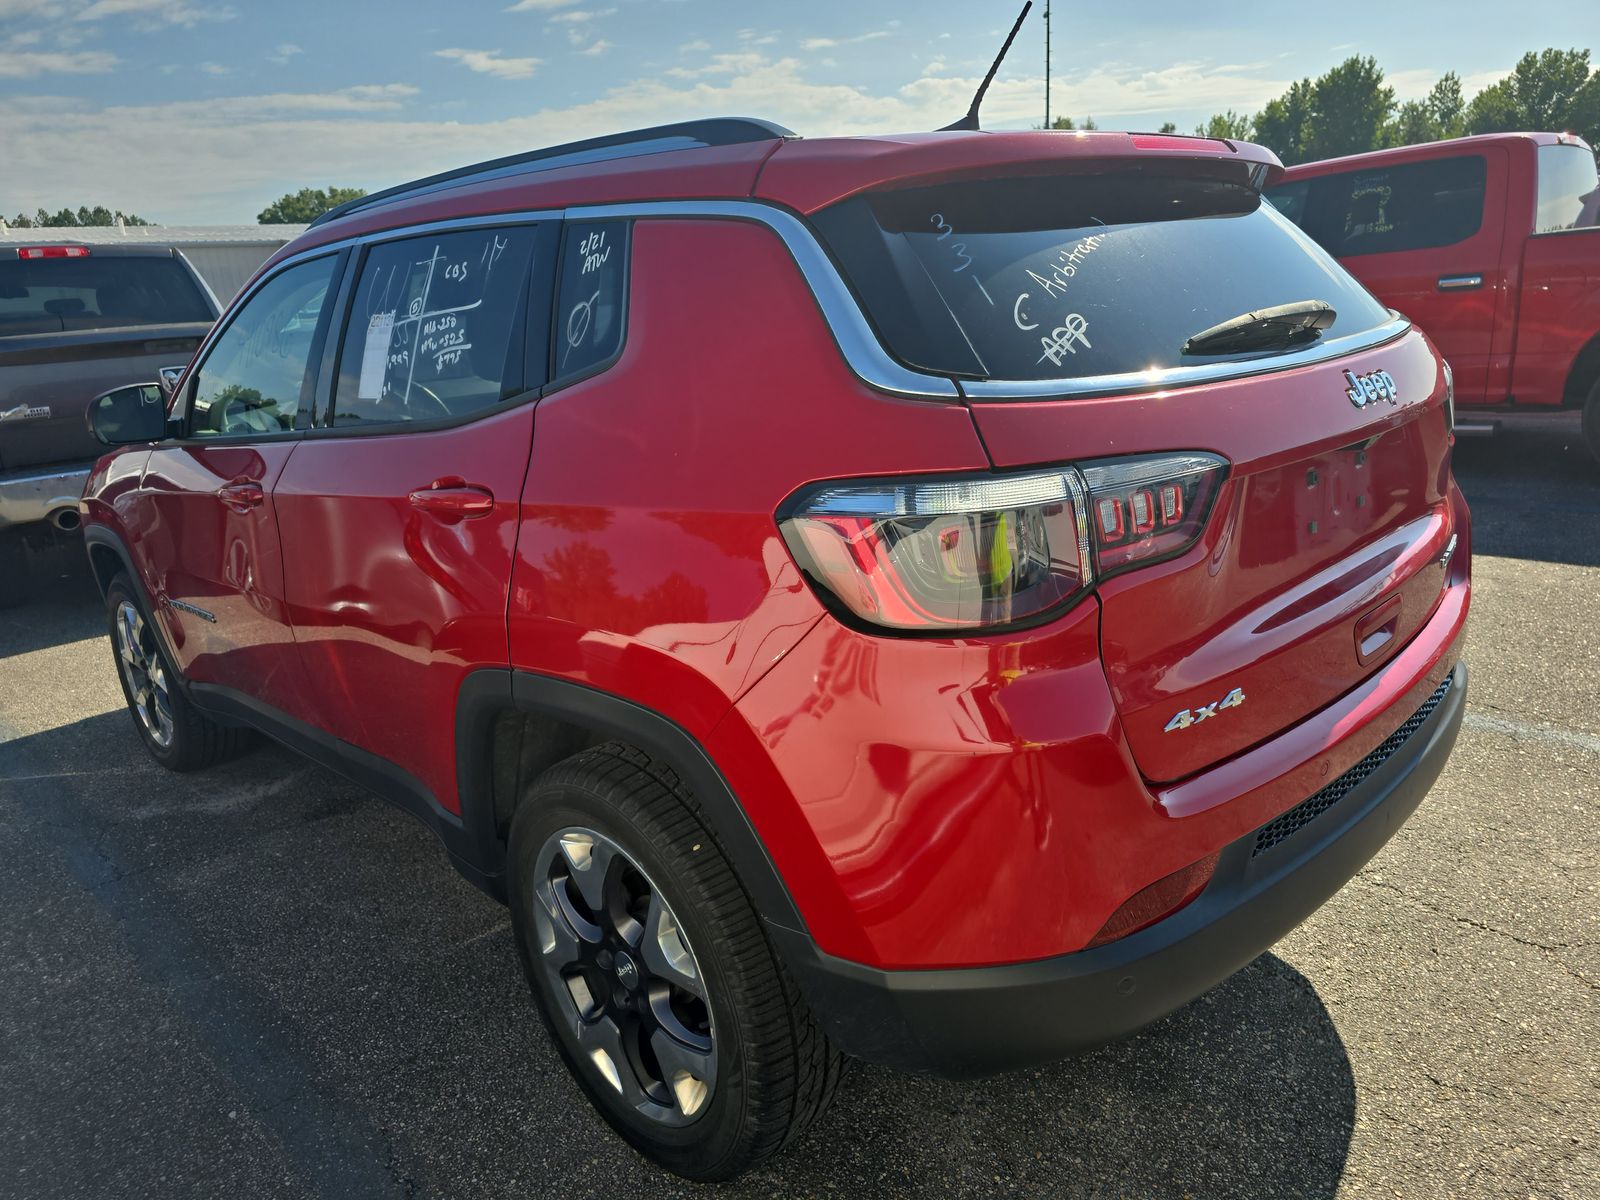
x=126 y=415
x=167 y=378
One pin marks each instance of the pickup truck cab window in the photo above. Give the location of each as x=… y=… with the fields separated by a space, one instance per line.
x=1569 y=191
x=1385 y=209
x=252 y=381
x=51 y=295
x=435 y=331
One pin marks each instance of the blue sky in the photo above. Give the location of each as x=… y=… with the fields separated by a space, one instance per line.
x=204 y=111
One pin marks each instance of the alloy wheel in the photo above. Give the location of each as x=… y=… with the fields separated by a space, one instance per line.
x=622 y=977
x=144 y=674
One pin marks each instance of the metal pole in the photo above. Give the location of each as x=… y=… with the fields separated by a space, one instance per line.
x=1047 y=64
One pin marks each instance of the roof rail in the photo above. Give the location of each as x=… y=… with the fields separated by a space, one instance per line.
x=684 y=135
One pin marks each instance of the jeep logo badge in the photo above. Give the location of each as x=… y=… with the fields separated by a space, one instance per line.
x=627 y=973
x=1374 y=386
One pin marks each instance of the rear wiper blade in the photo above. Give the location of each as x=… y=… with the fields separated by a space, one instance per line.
x=1281 y=327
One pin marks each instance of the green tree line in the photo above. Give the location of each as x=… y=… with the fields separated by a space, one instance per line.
x=1351 y=110
x=83 y=215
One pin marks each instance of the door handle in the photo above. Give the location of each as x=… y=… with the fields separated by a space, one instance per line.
x=1460 y=283
x=453 y=499
x=241 y=495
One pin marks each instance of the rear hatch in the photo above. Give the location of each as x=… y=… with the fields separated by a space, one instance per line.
x=1067 y=303
x=77 y=322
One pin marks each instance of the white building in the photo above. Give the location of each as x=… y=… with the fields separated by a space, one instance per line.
x=225 y=255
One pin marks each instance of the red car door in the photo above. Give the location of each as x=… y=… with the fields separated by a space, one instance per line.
x=1425 y=236
x=399 y=512
x=205 y=518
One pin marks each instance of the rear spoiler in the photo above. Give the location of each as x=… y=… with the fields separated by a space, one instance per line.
x=813 y=173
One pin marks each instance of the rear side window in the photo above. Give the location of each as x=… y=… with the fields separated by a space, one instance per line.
x=1569 y=191
x=1076 y=276
x=253 y=378
x=1407 y=206
x=592 y=302
x=437 y=325
x=49 y=295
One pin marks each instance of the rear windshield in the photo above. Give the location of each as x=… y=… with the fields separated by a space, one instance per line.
x=1073 y=276
x=1569 y=192
x=49 y=295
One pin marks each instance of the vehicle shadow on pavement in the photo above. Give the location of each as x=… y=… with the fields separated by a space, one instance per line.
x=1246 y=1093
x=1534 y=494
x=63 y=603
x=271 y=975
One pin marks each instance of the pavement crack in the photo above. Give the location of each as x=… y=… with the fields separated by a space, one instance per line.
x=1551 y=949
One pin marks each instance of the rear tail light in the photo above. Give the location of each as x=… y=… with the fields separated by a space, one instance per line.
x=937 y=555
x=963 y=554
x=27 y=252
x=1147 y=509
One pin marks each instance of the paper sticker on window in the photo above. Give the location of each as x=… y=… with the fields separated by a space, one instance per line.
x=375 y=356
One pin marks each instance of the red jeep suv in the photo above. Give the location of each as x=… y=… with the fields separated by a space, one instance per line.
x=945 y=599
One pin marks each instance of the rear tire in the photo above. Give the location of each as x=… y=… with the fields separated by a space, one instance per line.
x=654 y=975
x=1591 y=421
x=176 y=734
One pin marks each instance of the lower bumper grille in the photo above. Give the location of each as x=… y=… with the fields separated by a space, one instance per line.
x=1302 y=814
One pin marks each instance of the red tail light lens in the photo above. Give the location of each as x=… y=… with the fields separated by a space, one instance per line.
x=944 y=555
x=966 y=554
x=29 y=252
x=1149 y=508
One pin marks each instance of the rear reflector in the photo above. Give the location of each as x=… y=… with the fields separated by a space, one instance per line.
x=52 y=252
x=1161 y=899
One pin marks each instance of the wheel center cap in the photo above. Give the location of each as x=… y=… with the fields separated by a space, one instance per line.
x=626 y=970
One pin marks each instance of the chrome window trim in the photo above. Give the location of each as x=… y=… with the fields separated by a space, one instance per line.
x=856 y=339
x=1174 y=377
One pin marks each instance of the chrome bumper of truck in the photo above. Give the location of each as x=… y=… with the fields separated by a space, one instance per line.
x=38 y=495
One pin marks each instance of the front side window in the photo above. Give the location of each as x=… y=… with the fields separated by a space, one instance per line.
x=436 y=328
x=1384 y=210
x=253 y=379
x=1077 y=275
x=1569 y=192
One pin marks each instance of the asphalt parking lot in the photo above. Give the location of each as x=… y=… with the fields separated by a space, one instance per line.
x=258 y=981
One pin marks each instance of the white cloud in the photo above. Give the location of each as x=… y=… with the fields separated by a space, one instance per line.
x=823 y=43
x=600 y=47
x=26 y=8
x=213 y=68
x=24 y=64
x=220 y=159
x=492 y=62
x=154 y=13
x=694 y=47
x=540 y=5
x=582 y=15
x=284 y=53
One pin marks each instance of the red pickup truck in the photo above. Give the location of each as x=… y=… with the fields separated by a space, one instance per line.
x=1491 y=245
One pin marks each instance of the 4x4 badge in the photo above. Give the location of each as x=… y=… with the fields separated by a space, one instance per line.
x=1193 y=716
x=1373 y=386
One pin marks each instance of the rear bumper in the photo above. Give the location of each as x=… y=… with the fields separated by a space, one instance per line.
x=976 y=1021
x=33 y=494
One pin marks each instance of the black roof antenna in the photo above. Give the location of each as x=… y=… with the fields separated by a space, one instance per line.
x=970 y=121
